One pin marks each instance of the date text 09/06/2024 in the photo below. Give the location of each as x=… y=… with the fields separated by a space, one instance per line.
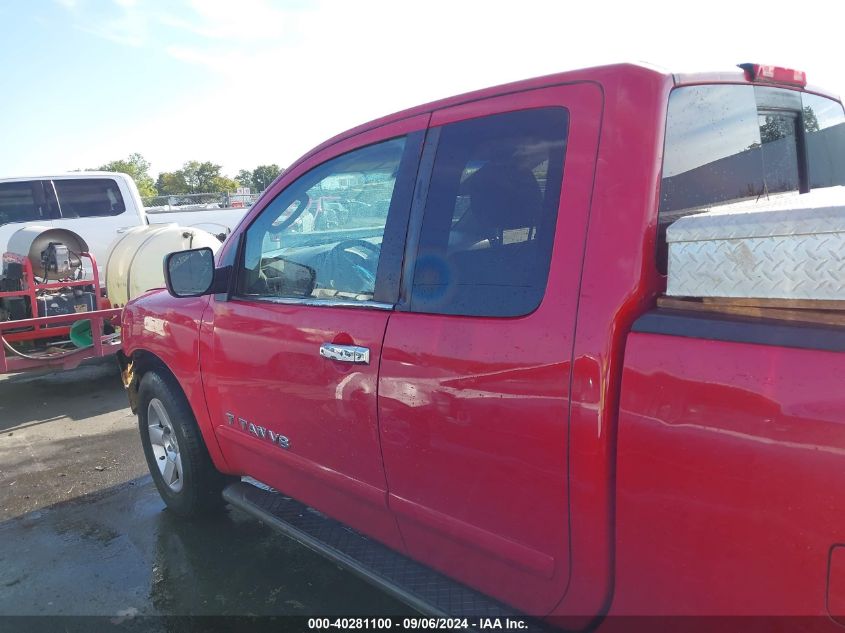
x=418 y=623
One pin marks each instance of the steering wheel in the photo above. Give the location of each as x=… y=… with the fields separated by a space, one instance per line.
x=350 y=271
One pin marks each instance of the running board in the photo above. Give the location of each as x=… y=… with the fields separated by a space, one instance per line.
x=421 y=588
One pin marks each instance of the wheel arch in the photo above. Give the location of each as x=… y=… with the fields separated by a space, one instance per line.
x=140 y=362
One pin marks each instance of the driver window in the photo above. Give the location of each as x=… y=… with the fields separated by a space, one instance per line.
x=321 y=237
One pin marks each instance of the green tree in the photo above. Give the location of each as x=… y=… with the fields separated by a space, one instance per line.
x=778 y=127
x=195 y=177
x=223 y=183
x=263 y=175
x=244 y=177
x=171 y=183
x=811 y=121
x=138 y=168
x=200 y=176
x=775 y=128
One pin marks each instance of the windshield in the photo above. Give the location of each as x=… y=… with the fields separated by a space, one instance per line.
x=726 y=143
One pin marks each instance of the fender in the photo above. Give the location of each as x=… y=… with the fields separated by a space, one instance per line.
x=160 y=331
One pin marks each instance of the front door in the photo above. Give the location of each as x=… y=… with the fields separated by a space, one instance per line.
x=292 y=380
x=476 y=363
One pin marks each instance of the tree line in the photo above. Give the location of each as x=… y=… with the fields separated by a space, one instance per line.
x=194 y=177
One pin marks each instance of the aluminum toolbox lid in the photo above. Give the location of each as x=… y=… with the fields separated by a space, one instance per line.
x=818 y=212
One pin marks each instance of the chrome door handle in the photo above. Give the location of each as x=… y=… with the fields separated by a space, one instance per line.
x=346 y=353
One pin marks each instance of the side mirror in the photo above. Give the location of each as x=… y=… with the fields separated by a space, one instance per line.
x=189 y=273
x=286 y=278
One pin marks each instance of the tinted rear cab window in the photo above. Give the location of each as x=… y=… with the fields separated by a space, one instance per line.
x=490 y=215
x=89 y=197
x=726 y=143
x=24 y=201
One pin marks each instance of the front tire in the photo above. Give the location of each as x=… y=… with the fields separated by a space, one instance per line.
x=173 y=446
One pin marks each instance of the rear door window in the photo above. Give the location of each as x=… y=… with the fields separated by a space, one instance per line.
x=488 y=226
x=89 y=197
x=25 y=201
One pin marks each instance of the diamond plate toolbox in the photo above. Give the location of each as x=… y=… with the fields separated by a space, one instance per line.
x=792 y=247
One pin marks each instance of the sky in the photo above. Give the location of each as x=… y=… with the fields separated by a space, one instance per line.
x=248 y=82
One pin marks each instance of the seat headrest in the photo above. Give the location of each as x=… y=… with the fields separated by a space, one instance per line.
x=504 y=196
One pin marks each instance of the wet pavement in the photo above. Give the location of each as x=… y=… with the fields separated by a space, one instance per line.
x=119 y=552
x=115 y=551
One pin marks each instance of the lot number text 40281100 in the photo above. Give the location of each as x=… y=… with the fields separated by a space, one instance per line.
x=417 y=623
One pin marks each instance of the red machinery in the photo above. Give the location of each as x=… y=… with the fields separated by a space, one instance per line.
x=38 y=313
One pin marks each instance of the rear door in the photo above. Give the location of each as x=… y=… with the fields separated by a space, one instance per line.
x=476 y=363
x=95 y=208
x=291 y=380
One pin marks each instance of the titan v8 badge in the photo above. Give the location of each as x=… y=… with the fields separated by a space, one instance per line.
x=258 y=431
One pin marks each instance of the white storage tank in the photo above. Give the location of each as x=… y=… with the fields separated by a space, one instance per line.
x=136 y=259
x=31 y=241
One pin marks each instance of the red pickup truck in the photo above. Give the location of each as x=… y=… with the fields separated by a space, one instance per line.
x=479 y=381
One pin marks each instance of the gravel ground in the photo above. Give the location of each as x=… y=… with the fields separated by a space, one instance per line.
x=63 y=435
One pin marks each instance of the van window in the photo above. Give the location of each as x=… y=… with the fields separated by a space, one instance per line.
x=89 y=197
x=726 y=143
x=490 y=214
x=23 y=201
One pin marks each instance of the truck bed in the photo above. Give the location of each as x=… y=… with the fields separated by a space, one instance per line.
x=228 y=218
x=731 y=462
